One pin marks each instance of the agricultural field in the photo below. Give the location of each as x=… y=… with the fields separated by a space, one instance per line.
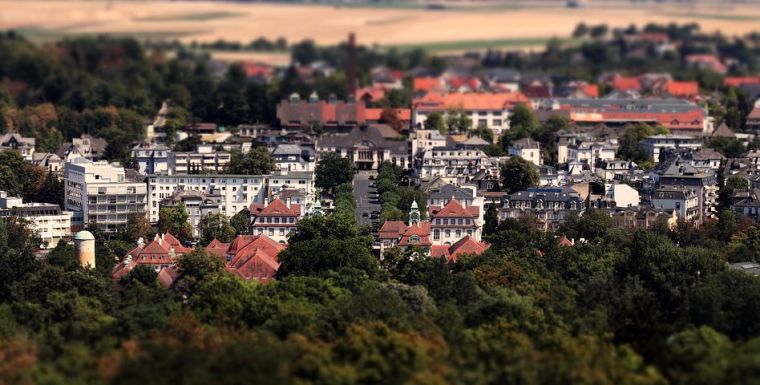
x=457 y=27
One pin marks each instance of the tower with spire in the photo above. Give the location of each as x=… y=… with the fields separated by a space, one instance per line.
x=414 y=214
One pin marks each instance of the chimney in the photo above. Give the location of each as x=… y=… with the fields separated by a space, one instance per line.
x=266 y=201
x=351 y=66
x=288 y=201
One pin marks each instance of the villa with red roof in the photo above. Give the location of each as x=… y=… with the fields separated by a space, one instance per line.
x=277 y=220
x=160 y=253
x=253 y=257
x=487 y=109
x=436 y=236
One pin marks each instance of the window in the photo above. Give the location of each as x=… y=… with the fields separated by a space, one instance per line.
x=271 y=231
x=447 y=233
x=497 y=122
x=414 y=239
x=436 y=234
x=282 y=232
x=459 y=233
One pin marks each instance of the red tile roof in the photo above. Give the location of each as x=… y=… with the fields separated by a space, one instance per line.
x=404 y=114
x=466 y=245
x=370 y=94
x=392 y=229
x=254 y=257
x=565 y=242
x=683 y=89
x=453 y=210
x=436 y=101
x=217 y=248
x=426 y=84
x=710 y=61
x=737 y=81
x=166 y=276
x=253 y=69
x=276 y=208
x=591 y=90
x=626 y=83
x=421 y=230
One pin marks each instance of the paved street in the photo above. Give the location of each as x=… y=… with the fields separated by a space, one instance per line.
x=363 y=198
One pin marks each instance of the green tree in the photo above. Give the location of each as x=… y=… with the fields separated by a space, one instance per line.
x=730 y=186
x=491 y=220
x=194 y=269
x=518 y=174
x=258 y=161
x=333 y=170
x=175 y=220
x=325 y=244
x=137 y=227
x=435 y=121
x=216 y=226
x=241 y=221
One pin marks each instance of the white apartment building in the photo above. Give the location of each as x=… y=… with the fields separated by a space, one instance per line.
x=455 y=165
x=527 y=149
x=47 y=220
x=684 y=202
x=654 y=144
x=588 y=152
x=423 y=140
x=624 y=195
x=294 y=157
x=204 y=159
x=151 y=158
x=101 y=193
x=237 y=192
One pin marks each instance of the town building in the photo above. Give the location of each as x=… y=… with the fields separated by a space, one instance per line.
x=51 y=162
x=684 y=202
x=623 y=195
x=151 y=158
x=103 y=194
x=681 y=175
x=490 y=110
x=549 y=207
x=237 y=192
x=15 y=142
x=423 y=140
x=46 y=220
x=455 y=165
x=198 y=205
x=160 y=254
x=528 y=149
x=678 y=115
x=454 y=220
x=367 y=147
x=644 y=218
x=205 y=159
x=277 y=219
x=330 y=114
x=84 y=146
x=294 y=157
x=251 y=257
x=653 y=145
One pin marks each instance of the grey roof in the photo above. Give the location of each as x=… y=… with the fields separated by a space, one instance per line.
x=291 y=149
x=363 y=136
x=525 y=143
x=633 y=105
x=751 y=268
x=673 y=194
x=448 y=191
x=547 y=194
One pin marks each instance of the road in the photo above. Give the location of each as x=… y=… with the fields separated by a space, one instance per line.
x=362 y=196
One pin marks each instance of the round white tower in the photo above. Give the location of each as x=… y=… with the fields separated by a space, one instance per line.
x=84 y=243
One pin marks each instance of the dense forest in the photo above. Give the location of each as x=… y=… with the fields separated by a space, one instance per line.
x=623 y=307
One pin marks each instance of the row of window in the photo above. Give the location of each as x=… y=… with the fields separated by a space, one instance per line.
x=452 y=221
x=278 y=220
x=281 y=232
x=447 y=233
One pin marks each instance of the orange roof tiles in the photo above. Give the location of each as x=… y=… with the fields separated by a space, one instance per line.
x=453 y=210
x=737 y=81
x=684 y=89
x=421 y=230
x=392 y=229
x=426 y=84
x=373 y=114
x=436 y=101
x=626 y=83
x=276 y=208
x=466 y=245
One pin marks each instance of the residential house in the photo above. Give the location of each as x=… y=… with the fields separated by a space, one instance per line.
x=549 y=207
x=198 y=205
x=253 y=257
x=278 y=220
x=527 y=149
x=294 y=157
x=654 y=144
x=367 y=147
x=46 y=220
x=51 y=162
x=454 y=220
x=151 y=158
x=331 y=114
x=684 y=202
x=15 y=142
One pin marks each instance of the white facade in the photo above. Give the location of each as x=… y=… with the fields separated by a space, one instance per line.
x=624 y=195
x=423 y=140
x=653 y=144
x=47 y=220
x=684 y=202
x=495 y=120
x=99 y=192
x=237 y=191
x=526 y=149
x=151 y=158
x=588 y=152
x=455 y=164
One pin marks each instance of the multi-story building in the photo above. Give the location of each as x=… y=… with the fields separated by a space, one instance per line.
x=490 y=110
x=653 y=145
x=589 y=152
x=608 y=169
x=294 y=157
x=644 y=218
x=49 y=161
x=151 y=158
x=549 y=207
x=466 y=195
x=47 y=220
x=685 y=176
x=16 y=142
x=367 y=147
x=678 y=115
x=197 y=204
x=684 y=202
x=455 y=165
x=237 y=192
x=102 y=193
x=452 y=221
x=277 y=219
x=204 y=160
x=527 y=149
x=423 y=140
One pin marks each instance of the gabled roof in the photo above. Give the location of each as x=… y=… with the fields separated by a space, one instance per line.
x=217 y=248
x=392 y=229
x=166 y=276
x=254 y=257
x=626 y=83
x=276 y=208
x=723 y=131
x=421 y=231
x=684 y=89
x=466 y=245
x=469 y=101
x=453 y=209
